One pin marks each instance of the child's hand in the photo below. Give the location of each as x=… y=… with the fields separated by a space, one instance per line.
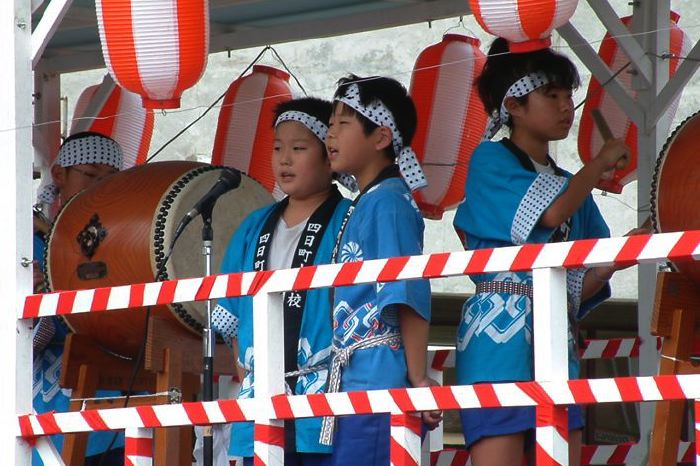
x=431 y=419
x=614 y=154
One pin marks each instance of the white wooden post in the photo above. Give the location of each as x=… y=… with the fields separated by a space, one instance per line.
x=550 y=321
x=405 y=449
x=268 y=345
x=651 y=18
x=48 y=453
x=138 y=447
x=16 y=232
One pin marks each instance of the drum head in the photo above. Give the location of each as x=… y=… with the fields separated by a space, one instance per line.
x=187 y=259
x=675 y=184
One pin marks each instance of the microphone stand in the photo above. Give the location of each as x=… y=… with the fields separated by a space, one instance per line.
x=208 y=338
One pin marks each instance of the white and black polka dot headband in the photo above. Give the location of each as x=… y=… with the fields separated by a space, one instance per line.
x=313 y=124
x=85 y=150
x=320 y=130
x=519 y=88
x=380 y=115
x=90 y=150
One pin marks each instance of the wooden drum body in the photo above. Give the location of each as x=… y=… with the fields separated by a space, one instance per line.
x=117 y=233
x=675 y=185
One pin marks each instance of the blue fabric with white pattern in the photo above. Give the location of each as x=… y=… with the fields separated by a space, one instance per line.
x=504 y=202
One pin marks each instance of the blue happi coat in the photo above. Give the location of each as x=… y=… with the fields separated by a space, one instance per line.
x=505 y=198
x=315 y=333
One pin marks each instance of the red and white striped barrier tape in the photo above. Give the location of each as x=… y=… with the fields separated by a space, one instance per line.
x=610 y=348
x=405 y=433
x=394 y=401
x=444 y=357
x=591 y=455
x=682 y=246
x=138 y=447
x=268 y=444
x=552 y=436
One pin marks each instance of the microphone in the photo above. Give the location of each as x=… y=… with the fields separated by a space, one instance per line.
x=228 y=180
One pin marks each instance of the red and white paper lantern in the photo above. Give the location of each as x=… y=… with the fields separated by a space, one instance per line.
x=589 y=139
x=115 y=112
x=155 y=48
x=451 y=119
x=244 y=135
x=526 y=24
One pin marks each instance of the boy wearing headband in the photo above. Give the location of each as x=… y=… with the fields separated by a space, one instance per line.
x=299 y=230
x=380 y=329
x=516 y=194
x=83 y=160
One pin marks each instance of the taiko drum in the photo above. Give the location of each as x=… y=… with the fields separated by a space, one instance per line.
x=117 y=232
x=676 y=184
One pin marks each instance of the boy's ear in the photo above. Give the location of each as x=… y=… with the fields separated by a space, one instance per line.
x=513 y=106
x=383 y=138
x=58 y=173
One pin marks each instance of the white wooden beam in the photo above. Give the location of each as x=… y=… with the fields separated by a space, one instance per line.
x=675 y=85
x=244 y=37
x=16 y=86
x=600 y=70
x=54 y=13
x=622 y=36
x=46 y=131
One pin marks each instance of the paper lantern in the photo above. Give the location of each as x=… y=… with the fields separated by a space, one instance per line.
x=589 y=138
x=451 y=119
x=244 y=134
x=526 y=24
x=115 y=112
x=155 y=48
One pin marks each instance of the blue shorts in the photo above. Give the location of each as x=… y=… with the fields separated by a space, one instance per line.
x=489 y=422
x=362 y=440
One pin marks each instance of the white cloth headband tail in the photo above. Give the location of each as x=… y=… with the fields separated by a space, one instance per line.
x=380 y=115
x=522 y=87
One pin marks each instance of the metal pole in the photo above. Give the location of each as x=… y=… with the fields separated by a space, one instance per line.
x=208 y=342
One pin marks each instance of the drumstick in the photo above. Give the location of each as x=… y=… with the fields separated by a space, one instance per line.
x=606 y=134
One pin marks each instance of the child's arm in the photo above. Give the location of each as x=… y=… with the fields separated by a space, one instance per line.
x=597 y=277
x=582 y=183
x=414 y=333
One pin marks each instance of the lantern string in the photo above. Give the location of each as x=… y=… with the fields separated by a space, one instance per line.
x=279 y=59
x=602 y=85
x=207 y=110
x=672 y=56
x=605 y=194
x=460 y=24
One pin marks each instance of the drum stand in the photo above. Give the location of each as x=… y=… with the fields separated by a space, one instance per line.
x=172 y=362
x=676 y=318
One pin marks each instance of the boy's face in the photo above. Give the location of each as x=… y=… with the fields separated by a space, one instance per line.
x=350 y=150
x=548 y=113
x=71 y=180
x=301 y=169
